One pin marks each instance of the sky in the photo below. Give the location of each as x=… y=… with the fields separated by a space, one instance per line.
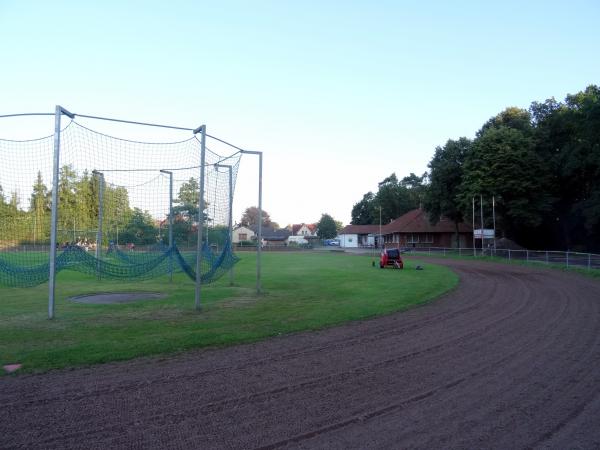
x=337 y=95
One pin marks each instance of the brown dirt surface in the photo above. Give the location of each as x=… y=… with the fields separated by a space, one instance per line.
x=510 y=359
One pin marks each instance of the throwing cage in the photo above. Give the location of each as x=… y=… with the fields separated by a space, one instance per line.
x=117 y=208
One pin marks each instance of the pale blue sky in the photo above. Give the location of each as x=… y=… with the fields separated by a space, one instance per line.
x=337 y=95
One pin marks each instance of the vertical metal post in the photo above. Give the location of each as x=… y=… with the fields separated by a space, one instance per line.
x=380 y=235
x=567 y=259
x=100 y=176
x=170 y=223
x=54 y=214
x=589 y=261
x=547 y=260
x=481 y=217
x=259 y=236
x=197 y=294
x=259 y=253
x=230 y=215
x=231 y=222
x=474 y=251
x=494 y=221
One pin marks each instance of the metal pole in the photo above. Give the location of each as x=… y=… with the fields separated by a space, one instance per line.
x=54 y=215
x=202 y=130
x=230 y=216
x=231 y=221
x=259 y=253
x=170 y=223
x=259 y=247
x=100 y=176
x=474 y=251
x=494 y=219
x=481 y=217
x=380 y=235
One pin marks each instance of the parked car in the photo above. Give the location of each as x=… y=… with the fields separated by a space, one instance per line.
x=332 y=242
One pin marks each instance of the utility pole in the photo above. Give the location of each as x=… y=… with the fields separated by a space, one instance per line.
x=494 y=220
x=474 y=251
x=481 y=216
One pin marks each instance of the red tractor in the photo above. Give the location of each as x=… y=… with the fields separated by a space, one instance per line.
x=391 y=257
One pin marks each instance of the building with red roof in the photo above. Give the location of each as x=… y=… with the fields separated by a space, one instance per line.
x=412 y=229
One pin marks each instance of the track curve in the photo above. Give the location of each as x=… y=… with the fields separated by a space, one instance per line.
x=510 y=359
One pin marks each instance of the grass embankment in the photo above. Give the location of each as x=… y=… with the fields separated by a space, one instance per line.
x=301 y=291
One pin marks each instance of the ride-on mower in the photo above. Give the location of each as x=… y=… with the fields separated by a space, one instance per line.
x=391 y=257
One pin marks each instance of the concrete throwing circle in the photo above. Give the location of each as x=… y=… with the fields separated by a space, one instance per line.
x=106 y=298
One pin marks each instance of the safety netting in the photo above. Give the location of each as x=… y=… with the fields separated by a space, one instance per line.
x=127 y=209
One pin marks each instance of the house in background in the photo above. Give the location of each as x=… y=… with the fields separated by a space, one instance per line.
x=303 y=233
x=243 y=234
x=304 y=229
x=275 y=238
x=359 y=236
x=409 y=230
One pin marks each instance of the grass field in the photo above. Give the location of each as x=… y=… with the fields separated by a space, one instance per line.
x=301 y=291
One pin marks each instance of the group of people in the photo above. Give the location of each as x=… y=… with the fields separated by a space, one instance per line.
x=81 y=243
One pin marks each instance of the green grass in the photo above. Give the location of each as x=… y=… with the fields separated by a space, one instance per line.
x=301 y=291
x=592 y=273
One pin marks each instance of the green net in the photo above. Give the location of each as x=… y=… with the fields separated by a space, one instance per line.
x=127 y=209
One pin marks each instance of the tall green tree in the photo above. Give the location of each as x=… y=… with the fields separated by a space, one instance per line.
x=396 y=197
x=67 y=199
x=39 y=207
x=326 y=227
x=503 y=164
x=364 y=212
x=445 y=181
x=568 y=138
x=140 y=229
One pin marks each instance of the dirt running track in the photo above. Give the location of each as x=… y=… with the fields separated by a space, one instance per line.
x=511 y=359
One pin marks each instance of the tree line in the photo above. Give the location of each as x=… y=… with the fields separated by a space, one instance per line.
x=79 y=209
x=541 y=165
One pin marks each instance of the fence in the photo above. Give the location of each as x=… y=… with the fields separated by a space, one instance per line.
x=563 y=259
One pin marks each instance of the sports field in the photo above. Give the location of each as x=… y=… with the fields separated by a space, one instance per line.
x=300 y=291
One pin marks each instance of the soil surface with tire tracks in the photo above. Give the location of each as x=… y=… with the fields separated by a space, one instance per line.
x=510 y=359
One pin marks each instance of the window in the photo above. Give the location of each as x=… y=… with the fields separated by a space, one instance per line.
x=416 y=238
x=243 y=236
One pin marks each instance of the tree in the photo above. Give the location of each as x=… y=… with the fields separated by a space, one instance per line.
x=39 y=207
x=512 y=117
x=185 y=210
x=186 y=203
x=394 y=199
x=445 y=180
x=567 y=137
x=250 y=218
x=326 y=227
x=140 y=229
x=67 y=200
x=503 y=163
x=363 y=212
